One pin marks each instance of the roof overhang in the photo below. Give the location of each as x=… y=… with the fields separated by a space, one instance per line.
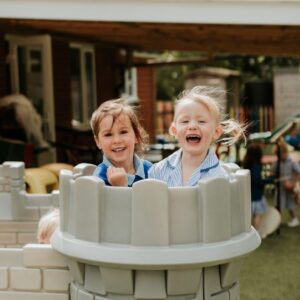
x=237 y=27
x=247 y=12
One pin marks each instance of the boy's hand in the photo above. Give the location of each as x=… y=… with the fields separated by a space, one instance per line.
x=117 y=176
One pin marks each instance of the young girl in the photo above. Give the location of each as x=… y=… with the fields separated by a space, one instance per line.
x=198 y=123
x=119 y=135
x=252 y=161
x=289 y=173
x=47 y=225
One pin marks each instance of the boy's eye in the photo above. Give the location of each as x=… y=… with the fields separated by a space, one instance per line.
x=184 y=121
x=124 y=131
x=201 y=121
x=108 y=134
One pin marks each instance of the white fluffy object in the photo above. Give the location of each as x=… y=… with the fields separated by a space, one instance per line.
x=27 y=117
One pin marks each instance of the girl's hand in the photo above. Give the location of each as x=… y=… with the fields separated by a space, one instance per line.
x=289 y=185
x=117 y=176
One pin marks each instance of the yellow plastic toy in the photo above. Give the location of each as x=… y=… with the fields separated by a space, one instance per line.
x=55 y=168
x=40 y=181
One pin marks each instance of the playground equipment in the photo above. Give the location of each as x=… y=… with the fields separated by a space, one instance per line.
x=44 y=179
x=155 y=242
x=40 y=181
x=144 y=242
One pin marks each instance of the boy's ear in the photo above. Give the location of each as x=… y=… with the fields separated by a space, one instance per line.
x=218 y=131
x=172 y=129
x=97 y=142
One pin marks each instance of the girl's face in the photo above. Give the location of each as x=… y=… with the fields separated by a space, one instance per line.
x=117 y=140
x=195 y=127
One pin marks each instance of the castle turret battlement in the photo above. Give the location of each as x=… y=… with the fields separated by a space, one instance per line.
x=15 y=203
x=155 y=242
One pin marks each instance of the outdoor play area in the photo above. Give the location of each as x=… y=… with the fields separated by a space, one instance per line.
x=84 y=215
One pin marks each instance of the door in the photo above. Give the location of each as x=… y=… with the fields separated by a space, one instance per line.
x=31 y=75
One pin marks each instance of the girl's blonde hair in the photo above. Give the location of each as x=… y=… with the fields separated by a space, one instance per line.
x=212 y=97
x=47 y=225
x=115 y=108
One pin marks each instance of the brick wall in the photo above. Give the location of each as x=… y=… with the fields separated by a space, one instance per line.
x=105 y=73
x=147 y=95
x=35 y=272
x=61 y=80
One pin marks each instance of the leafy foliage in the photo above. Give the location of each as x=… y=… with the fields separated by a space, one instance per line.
x=170 y=78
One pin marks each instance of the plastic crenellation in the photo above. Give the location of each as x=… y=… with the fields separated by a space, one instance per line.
x=152 y=241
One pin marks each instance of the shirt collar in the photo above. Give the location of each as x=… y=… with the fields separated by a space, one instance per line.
x=139 y=167
x=175 y=159
x=106 y=161
x=174 y=162
x=209 y=161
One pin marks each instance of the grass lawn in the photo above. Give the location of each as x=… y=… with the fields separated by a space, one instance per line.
x=272 y=272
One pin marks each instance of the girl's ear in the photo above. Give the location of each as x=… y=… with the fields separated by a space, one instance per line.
x=172 y=129
x=218 y=131
x=97 y=142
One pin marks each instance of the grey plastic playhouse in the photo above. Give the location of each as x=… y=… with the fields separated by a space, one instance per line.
x=144 y=242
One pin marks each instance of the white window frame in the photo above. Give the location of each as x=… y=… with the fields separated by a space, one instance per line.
x=84 y=48
x=43 y=41
x=131 y=85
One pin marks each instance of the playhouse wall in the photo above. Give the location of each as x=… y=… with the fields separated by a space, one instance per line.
x=17 y=234
x=34 y=272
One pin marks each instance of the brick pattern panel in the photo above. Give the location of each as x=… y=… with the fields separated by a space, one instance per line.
x=46 y=278
x=25 y=279
x=17 y=234
x=3 y=278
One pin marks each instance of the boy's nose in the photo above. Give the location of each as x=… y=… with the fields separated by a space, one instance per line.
x=116 y=138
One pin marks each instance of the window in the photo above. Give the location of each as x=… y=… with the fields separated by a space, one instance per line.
x=83 y=88
x=130 y=85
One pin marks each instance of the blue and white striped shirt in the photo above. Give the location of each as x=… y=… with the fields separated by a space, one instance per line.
x=170 y=169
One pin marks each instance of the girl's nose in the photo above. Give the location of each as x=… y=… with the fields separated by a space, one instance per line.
x=193 y=124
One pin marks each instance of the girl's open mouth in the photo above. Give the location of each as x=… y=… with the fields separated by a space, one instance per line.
x=193 y=138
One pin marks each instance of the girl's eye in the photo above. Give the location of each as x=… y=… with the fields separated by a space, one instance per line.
x=184 y=121
x=124 y=131
x=201 y=122
x=108 y=134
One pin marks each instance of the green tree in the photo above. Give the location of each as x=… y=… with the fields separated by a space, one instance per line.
x=170 y=78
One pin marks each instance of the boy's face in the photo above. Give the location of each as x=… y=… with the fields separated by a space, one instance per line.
x=117 y=140
x=195 y=127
